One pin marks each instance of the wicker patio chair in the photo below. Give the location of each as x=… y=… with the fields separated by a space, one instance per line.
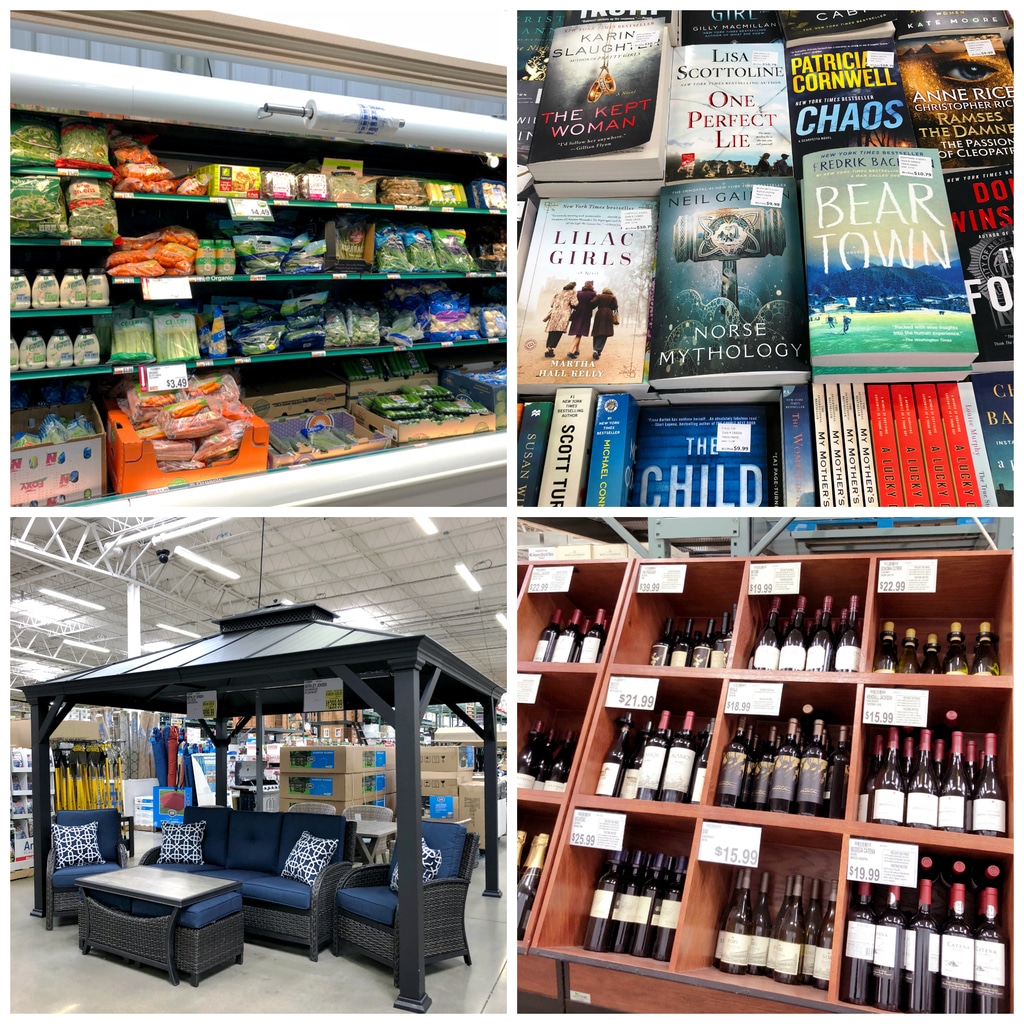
x=369 y=812
x=312 y=807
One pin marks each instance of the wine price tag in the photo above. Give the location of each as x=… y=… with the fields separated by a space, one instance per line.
x=202 y=705
x=634 y=219
x=661 y=579
x=550 y=579
x=980 y=47
x=908 y=576
x=632 y=692
x=895 y=707
x=911 y=166
x=322 y=695
x=600 y=830
x=526 y=687
x=172 y=377
x=774 y=578
x=739 y=845
x=882 y=863
x=878 y=59
x=754 y=699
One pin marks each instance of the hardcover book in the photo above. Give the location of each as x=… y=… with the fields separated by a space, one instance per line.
x=563 y=482
x=960 y=91
x=612 y=451
x=908 y=440
x=981 y=203
x=994 y=395
x=728 y=298
x=865 y=452
x=591 y=17
x=885 y=286
x=961 y=464
x=729 y=27
x=836 y=452
x=933 y=447
x=797 y=446
x=728 y=115
x=590 y=263
x=707 y=456
x=885 y=445
x=910 y=24
x=826 y=25
x=822 y=451
x=533 y=443
x=854 y=484
x=533 y=42
x=976 y=440
x=845 y=94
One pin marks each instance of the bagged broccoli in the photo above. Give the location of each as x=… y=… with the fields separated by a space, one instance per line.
x=91 y=210
x=34 y=142
x=451 y=251
x=37 y=207
x=418 y=247
x=389 y=256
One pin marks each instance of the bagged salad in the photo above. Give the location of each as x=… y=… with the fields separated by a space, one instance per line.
x=38 y=207
x=261 y=254
x=35 y=142
x=83 y=144
x=91 y=209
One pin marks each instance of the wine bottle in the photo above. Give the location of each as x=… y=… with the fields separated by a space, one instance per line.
x=570 y=638
x=886 y=659
x=848 y=645
x=757 y=957
x=701 y=771
x=987 y=877
x=819 y=650
x=955 y=661
x=859 y=952
x=782 y=791
x=887 y=803
x=814 y=919
x=620 y=936
x=594 y=638
x=766 y=653
x=679 y=762
x=546 y=643
x=985 y=661
x=643 y=933
x=921 y=955
x=613 y=765
x=789 y=946
x=526 y=892
x=701 y=653
x=939 y=760
x=989 y=808
x=601 y=903
x=990 y=957
x=908 y=655
x=793 y=654
x=558 y=777
x=826 y=939
x=930 y=664
x=887 y=964
x=529 y=758
x=737 y=928
x=773 y=942
x=662 y=648
x=631 y=776
x=810 y=793
x=578 y=648
x=758 y=798
x=545 y=760
x=838 y=777
x=907 y=760
x=956 y=965
x=838 y=629
x=922 y=787
x=682 y=647
x=734 y=762
x=520 y=843
x=752 y=768
x=953 y=792
x=665 y=914
x=864 y=805
x=720 y=644
x=653 y=764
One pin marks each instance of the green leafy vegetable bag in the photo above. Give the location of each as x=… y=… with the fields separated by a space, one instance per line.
x=37 y=207
x=34 y=142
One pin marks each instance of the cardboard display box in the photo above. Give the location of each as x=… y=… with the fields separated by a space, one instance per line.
x=319 y=392
x=471 y=803
x=353 y=789
x=441 y=808
x=385 y=385
x=232 y=180
x=294 y=428
x=423 y=430
x=337 y=263
x=317 y=760
x=495 y=397
x=444 y=783
x=440 y=758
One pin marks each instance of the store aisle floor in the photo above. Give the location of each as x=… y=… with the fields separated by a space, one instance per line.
x=50 y=975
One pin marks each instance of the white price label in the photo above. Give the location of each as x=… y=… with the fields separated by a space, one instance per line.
x=647 y=37
x=635 y=219
x=166 y=288
x=526 y=687
x=882 y=863
x=980 y=47
x=754 y=699
x=250 y=209
x=600 y=830
x=733 y=437
x=578 y=997
x=202 y=705
x=908 y=576
x=774 y=578
x=661 y=579
x=550 y=579
x=879 y=59
x=520 y=207
x=739 y=845
x=895 y=707
x=172 y=377
x=763 y=57
x=540 y=554
x=913 y=166
x=323 y=695
x=632 y=692
x=766 y=195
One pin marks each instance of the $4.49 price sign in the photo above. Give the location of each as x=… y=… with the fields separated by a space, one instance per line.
x=739 y=845
x=632 y=692
x=882 y=863
x=599 y=830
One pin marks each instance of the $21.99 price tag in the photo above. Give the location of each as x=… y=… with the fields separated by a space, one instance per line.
x=739 y=845
x=632 y=692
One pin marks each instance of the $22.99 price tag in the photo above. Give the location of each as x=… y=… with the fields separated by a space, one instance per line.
x=550 y=579
x=907 y=576
x=599 y=830
x=739 y=845
x=632 y=692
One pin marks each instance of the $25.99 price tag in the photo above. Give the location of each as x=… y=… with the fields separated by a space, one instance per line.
x=599 y=830
x=739 y=845
x=632 y=692
x=882 y=863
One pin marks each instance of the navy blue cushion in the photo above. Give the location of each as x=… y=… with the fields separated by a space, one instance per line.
x=65 y=877
x=288 y=892
x=449 y=839
x=112 y=899
x=187 y=868
x=323 y=826
x=376 y=902
x=108 y=834
x=253 y=841
x=215 y=841
x=198 y=914
x=235 y=874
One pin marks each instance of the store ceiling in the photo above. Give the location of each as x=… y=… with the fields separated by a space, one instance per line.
x=382 y=572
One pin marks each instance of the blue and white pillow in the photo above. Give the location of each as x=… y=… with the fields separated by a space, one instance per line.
x=431 y=865
x=309 y=856
x=75 y=845
x=182 y=844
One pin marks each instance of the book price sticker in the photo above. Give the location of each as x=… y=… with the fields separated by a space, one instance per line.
x=980 y=47
x=882 y=863
x=661 y=579
x=763 y=57
x=766 y=195
x=912 y=166
x=739 y=845
x=632 y=692
x=322 y=695
x=908 y=576
x=733 y=437
x=527 y=684
x=550 y=579
x=599 y=830
x=172 y=377
x=895 y=707
x=635 y=219
x=879 y=59
x=202 y=704
x=754 y=699
x=774 y=578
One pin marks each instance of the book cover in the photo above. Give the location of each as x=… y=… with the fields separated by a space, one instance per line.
x=960 y=91
x=854 y=484
x=797 y=446
x=961 y=463
x=533 y=443
x=612 y=451
x=822 y=451
x=981 y=204
x=727 y=112
x=533 y=44
x=865 y=454
x=729 y=27
x=845 y=94
x=885 y=445
x=908 y=440
x=976 y=440
x=885 y=284
x=728 y=298
x=774 y=488
x=836 y=452
x=933 y=447
x=940 y=23
x=823 y=25
x=591 y=262
x=563 y=481
x=590 y=17
x=707 y=456
x=994 y=395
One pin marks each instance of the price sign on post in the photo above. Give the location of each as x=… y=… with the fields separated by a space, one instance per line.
x=739 y=845
x=907 y=576
x=526 y=687
x=632 y=692
x=172 y=377
x=323 y=695
x=774 y=578
x=754 y=699
x=661 y=579
x=202 y=705
x=882 y=863
x=599 y=830
x=895 y=707
x=550 y=579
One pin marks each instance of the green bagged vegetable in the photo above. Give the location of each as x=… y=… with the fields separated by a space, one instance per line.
x=37 y=207
x=175 y=336
x=363 y=326
x=91 y=209
x=390 y=256
x=133 y=341
x=34 y=142
x=261 y=254
x=83 y=144
x=418 y=247
x=336 y=328
x=451 y=251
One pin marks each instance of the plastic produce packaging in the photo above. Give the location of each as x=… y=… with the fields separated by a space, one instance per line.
x=351 y=188
x=34 y=141
x=493 y=323
x=37 y=207
x=309 y=259
x=278 y=185
x=173 y=451
x=201 y=423
x=488 y=194
x=418 y=247
x=133 y=340
x=222 y=445
x=452 y=254
x=445 y=193
x=83 y=144
x=261 y=254
x=389 y=256
x=336 y=329
x=304 y=310
x=350 y=230
x=313 y=186
x=91 y=210
x=363 y=326
x=402 y=191
x=175 y=336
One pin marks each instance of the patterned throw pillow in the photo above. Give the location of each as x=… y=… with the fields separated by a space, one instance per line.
x=431 y=865
x=309 y=856
x=182 y=844
x=75 y=845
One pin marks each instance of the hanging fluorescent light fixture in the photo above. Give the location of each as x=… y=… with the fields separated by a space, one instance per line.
x=162 y=538
x=133 y=535
x=502 y=621
x=74 y=600
x=41 y=610
x=426 y=524
x=87 y=647
x=205 y=563
x=174 y=629
x=285 y=600
x=470 y=579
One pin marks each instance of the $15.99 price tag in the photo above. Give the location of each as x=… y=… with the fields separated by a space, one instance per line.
x=895 y=707
x=739 y=845
x=600 y=830
x=632 y=692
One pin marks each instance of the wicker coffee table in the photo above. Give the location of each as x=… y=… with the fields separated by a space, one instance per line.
x=158 y=941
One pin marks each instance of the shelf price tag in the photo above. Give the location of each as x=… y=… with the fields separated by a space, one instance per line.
x=550 y=579
x=774 y=578
x=166 y=288
x=632 y=692
x=895 y=707
x=661 y=579
x=754 y=699
x=250 y=209
x=599 y=830
x=527 y=684
x=882 y=863
x=739 y=845
x=907 y=576
x=202 y=704
x=172 y=377
x=540 y=555
x=322 y=695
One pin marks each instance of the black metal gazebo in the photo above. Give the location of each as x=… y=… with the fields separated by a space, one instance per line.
x=258 y=664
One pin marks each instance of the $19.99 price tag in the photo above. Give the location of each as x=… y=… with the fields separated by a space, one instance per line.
x=774 y=578
x=599 y=830
x=882 y=863
x=739 y=845
x=632 y=692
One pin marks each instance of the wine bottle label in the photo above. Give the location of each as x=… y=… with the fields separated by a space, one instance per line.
x=951 y=812
x=934 y=958
x=823 y=963
x=606 y=780
x=787 y=957
x=642 y=909
x=817 y=659
x=757 y=954
x=700 y=657
x=807 y=963
x=989 y=963
x=720 y=944
x=667 y=914
x=563 y=647
x=957 y=957
x=678 y=659
x=698 y=784
x=922 y=809
x=784 y=777
x=735 y=949
x=659 y=654
x=542 y=649
x=731 y=778
x=525 y=781
x=601 y=904
x=847 y=659
x=989 y=816
x=909 y=949
x=679 y=769
x=885 y=671
x=792 y=658
x=888 y=805
x=717 y=659
x=554 y=787
x=624 y=908
x=591 y=650
x=860 y=940
x=812 y=779
x=766 y=657
x=773 y=945
x=762 y=781
x=885 y=946
x=650 y=768
x=630 y=778
x=862 y=807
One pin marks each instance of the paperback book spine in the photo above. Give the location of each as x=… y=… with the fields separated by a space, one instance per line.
x=908 y=439
x=837 y=456
x=933 y=447
x=855 y=485
x=613 y=451
x=822 y=455
x=865 y=456
x=965 y=480
x=566 y=460
x=976 y=440
x=886 y=447
x=533 y=442
x=797 y=446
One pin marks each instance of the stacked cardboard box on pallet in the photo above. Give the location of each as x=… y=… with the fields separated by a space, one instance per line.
x=340 y=776
x=440 y=778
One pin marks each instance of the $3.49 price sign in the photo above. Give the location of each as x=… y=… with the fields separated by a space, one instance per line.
x=632 y=692
x=599 y=830
x=172 y=377
x=739 y=845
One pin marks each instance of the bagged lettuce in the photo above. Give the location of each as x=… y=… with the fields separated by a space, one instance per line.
x=34 y=141
x=37 y=207
x=91 y=210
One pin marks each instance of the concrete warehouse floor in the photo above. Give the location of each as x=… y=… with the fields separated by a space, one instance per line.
x=49 y=974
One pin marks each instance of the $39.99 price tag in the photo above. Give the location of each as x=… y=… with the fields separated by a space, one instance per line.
x=599 y=830
x=661 y=579
x=632 y=692
x=739 y=845
x=882 y=863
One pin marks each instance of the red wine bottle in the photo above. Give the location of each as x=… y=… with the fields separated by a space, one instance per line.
x=990 y=957
x=665 y=914
x=989 y=809
x=631 y=776
x=826 y=940
x=701 y=653
x=615 y=760
x=766 y=653
x=558 y=777
x=793 y=655
x=971 y=770
x=697 y=792
x=653 y=764
x=848 y=644
x=819 y=650
x=682 y=647
x=810 y=792
x=921 y=955
x=887 y=965
x=601 y=904
x=662 y=648
x=838 y=777
x=953 y=794
x=720 y=644
x=922 y=789
x=594 y=638
x=546 y=643
x=887 y=803
x=737 y=928
x=907 y=761
x=679 y=764
x=782 y=791
x=758 y=799
x=545 y=759
x=566 y=644
x=939 y=760
x=757 y=957
x=620 y=938
x=734 y=762
x=529 y=757
x=643 y=934
x=859 y=952
x=578 y=648
x=956 y=965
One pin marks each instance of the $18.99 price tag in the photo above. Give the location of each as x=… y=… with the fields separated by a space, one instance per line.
x=661 y=579
x=632 y=692
x=739 y=845
x=754 y=699
x=600 y=830
x=882 y=863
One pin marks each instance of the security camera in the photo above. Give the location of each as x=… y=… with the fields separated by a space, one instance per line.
x=164 y=555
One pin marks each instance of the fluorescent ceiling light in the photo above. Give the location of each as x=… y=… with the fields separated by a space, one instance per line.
x=74 y=600
x=285 y=600
x=131 y=536
x=426 y=524
x=470 y=579
x=205 y=564
x=174 y=629
x=500 y=616
x=162 y=538
x=87 y=647
x=42 y=610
